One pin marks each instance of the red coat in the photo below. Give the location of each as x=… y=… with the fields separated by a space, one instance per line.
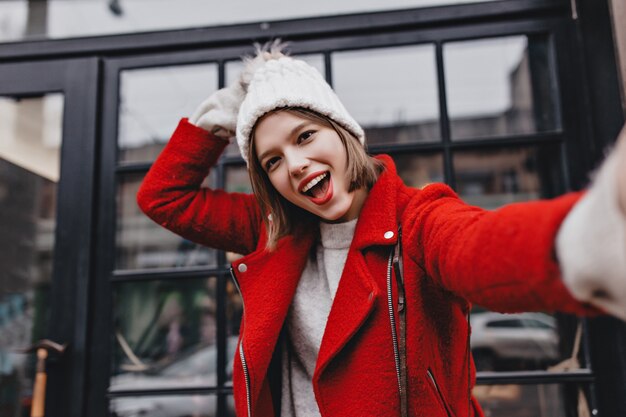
x=454 y=255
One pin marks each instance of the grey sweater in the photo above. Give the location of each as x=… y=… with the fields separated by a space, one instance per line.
x=307 y=318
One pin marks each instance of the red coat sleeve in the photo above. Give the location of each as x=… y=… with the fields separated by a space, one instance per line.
x=503 y=260
x=171 y=195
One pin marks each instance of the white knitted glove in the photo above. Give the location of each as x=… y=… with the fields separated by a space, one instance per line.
x=591 y=243
x=218 y=113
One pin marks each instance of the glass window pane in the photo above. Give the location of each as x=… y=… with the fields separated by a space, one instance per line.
x=234 y=313
x=165 y=334
x=391 y=92
x=554 y=400
x=233 y=69
x=500 y=87
x=419 y=169
x=237 y=180
x=153 y=100
x=492 y=178
x=230 y=406
x=30 y=140
x=522 y=341
x=143 y=244
x=165 y=406
x=70 y=18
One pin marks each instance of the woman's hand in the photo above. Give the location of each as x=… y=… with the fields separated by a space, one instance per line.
x=218 y=113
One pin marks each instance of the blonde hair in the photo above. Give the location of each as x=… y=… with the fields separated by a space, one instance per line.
x=362 y=171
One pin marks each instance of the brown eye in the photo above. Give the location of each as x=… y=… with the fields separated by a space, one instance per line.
x=270 y=163
x=304 y=136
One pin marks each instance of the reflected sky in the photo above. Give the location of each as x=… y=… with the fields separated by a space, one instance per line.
x=476 y=70
x=153 y=100
x=387 y=86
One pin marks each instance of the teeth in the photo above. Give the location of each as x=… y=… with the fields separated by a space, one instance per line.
x=314 y=181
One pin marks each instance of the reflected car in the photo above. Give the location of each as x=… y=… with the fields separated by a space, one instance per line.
x=194 y=368
x=518 y=341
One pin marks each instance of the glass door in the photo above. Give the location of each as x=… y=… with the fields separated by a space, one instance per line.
x=47 y=143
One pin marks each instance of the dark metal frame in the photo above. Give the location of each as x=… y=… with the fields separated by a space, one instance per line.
x=577 y=73
x=72 y=268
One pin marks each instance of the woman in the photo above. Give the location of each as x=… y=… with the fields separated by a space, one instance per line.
x=322 y=329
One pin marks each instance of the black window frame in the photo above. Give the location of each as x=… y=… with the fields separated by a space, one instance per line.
x=70 y=280
x=554 y=28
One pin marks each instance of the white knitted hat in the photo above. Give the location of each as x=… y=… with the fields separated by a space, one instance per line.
x=272 y=80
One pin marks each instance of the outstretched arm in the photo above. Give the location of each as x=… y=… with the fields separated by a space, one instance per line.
x=566 y=254
x=503 y=259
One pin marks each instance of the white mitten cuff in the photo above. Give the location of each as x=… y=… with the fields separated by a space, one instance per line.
x=591 y=245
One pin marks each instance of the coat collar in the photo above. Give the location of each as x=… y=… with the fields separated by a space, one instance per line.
x=379 y=213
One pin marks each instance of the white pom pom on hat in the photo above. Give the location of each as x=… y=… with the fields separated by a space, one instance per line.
x=273 y=80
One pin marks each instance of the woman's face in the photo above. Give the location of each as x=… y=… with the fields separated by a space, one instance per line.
x=306 y=163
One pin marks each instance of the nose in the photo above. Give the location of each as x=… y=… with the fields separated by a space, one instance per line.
x=297 y=164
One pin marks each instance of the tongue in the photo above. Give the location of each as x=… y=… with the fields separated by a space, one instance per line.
x=319 y=189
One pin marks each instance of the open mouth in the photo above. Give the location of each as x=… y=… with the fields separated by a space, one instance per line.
x=317 y=188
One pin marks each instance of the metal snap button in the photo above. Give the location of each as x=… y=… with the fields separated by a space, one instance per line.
x=242 y=268
x=389 y=234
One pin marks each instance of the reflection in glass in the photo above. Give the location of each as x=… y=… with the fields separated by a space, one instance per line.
x=153 y=100
x=233 y=69
x=70 y=18
x=500 y=87
x=30 y=134
x=391 y=92
x=526 y=342
x=30 y=140
x=490 y=179
x=165 y=334
x=418 y=170
x=514 y=342
x=230 y=401
x=234 y=314
x=165 y=406
x=237 y=180
x=524 y=400
x=143 y=244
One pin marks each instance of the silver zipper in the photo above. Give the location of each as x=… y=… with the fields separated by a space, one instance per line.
x=434 y=382
x=244 y=364
x=392 y=319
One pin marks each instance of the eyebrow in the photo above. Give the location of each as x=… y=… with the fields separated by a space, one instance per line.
x=291 y=133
